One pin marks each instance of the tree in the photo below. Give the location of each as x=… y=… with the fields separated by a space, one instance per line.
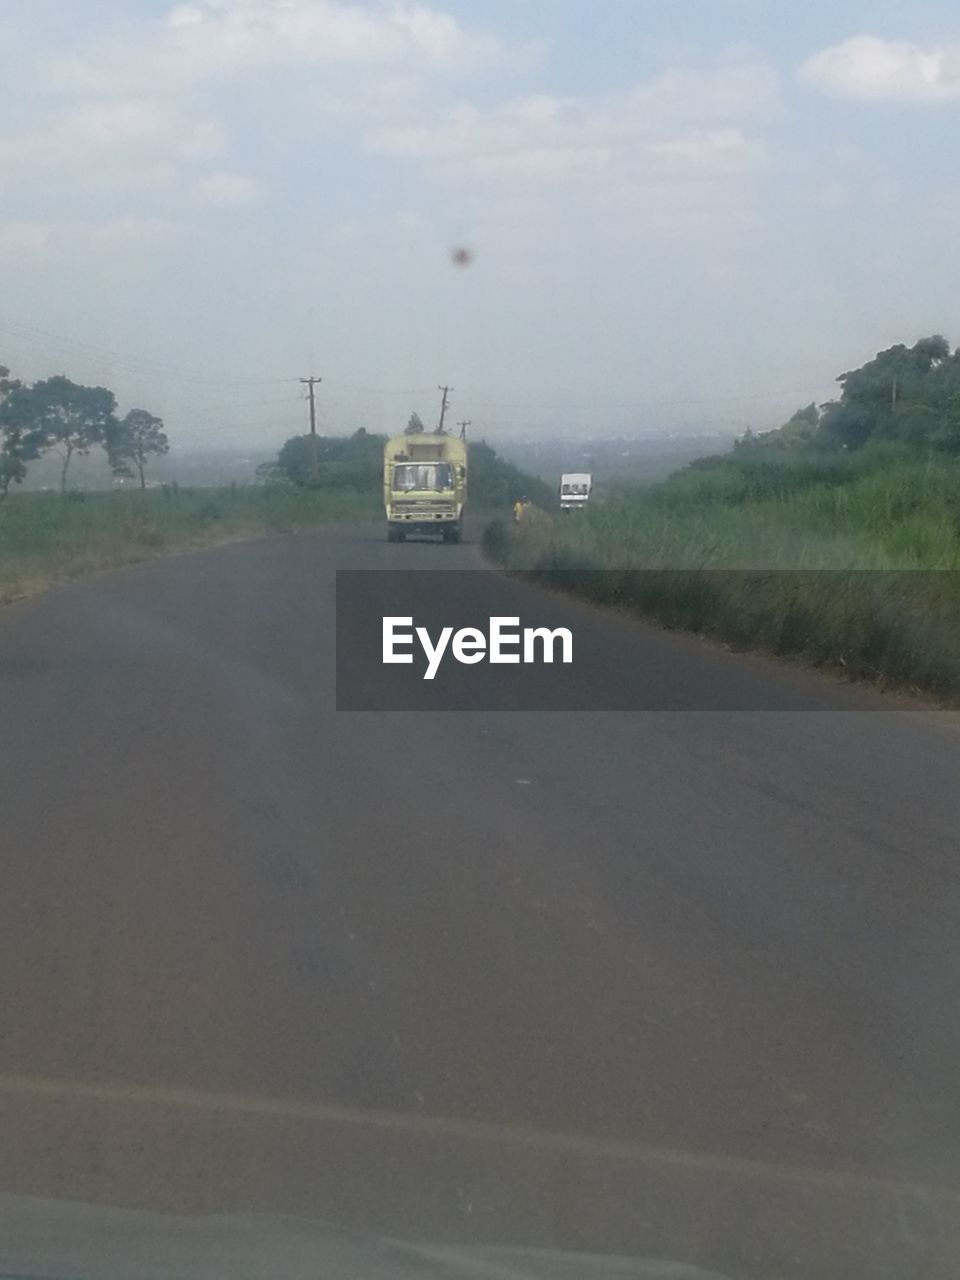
x=131 y=442
x=496 y=483
x=8 y=386
x=15 y=451
x=879 y=400
x=66 y=417
x=296 y=458
x=272 y=473
x=945 y=435
x=348 y=462
x=797 y=432
x=12 y=468
x=415 y=426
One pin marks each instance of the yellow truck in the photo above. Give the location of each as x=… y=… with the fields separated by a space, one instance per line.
x=425 y=485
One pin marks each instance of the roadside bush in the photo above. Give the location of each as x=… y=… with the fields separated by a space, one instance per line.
x=849 y=562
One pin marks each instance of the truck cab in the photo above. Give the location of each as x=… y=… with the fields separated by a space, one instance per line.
x=425 y=486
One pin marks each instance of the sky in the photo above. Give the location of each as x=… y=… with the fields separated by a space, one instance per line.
x=683 y=218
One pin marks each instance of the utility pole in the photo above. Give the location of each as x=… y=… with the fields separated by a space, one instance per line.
x=893 y=399
x=463 y=429
x=311 y=383
x=445 y=406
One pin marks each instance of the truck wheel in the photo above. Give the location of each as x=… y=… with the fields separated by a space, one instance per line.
x=456 y=533
x=395 y=534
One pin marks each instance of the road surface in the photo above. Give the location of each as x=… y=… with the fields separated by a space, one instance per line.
x=678 y=984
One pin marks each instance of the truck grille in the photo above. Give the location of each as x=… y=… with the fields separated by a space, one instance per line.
x=424 y=507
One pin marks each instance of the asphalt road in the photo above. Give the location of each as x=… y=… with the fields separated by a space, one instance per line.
x=679 y=984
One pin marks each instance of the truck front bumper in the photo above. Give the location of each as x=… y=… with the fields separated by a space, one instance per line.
x=416 y=520
x=417 y=524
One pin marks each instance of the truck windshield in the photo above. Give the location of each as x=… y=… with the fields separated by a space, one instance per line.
x=432 y=475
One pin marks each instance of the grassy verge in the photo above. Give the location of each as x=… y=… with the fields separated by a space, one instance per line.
x=46 y=538
x=836 y=561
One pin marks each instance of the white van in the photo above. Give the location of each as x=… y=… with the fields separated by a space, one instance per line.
x=575 y=490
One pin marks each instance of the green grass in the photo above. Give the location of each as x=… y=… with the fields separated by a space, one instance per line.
x=711 y=540
x=46 y=538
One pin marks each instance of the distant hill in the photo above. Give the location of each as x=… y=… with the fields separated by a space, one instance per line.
x=613 y=460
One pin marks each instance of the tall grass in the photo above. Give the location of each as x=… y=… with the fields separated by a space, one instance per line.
x=46 y=538
x=776 y=553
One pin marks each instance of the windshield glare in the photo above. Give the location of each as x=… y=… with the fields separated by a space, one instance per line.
x=414 y=476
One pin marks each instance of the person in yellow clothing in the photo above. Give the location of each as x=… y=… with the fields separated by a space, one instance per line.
x=520 y=510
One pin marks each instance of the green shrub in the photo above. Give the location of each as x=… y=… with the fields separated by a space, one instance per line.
x=830 y=517
x=45 y=537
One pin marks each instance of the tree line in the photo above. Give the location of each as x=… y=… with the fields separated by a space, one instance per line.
x=58 y=416
x=907 y=395
x=356 y=462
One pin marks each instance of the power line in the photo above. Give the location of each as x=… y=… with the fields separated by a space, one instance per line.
x=244 y=406
x=380 y=391
x=232 y=429
x=760 y=395
x=33 y=336
x=653 y=404
x=77 y=347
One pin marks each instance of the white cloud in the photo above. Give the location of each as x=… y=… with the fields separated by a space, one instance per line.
x=538 y=165
x=750 y=91
x=870 y=69
x=367 y=69
x=713 y=151
x=439 y=36
x=185 y=15
x=143 y=105
x=130 y=230
x=942 y=207
x=141 y=137
x=682 y=120
x=133 y=125
x=215 y=41
x=31 y=239
x=124 y=136
x=225 y=190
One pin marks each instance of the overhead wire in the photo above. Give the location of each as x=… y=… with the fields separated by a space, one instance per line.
x=19 y=333
x=640 y=403
x=378 y=391
x=38 y=336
